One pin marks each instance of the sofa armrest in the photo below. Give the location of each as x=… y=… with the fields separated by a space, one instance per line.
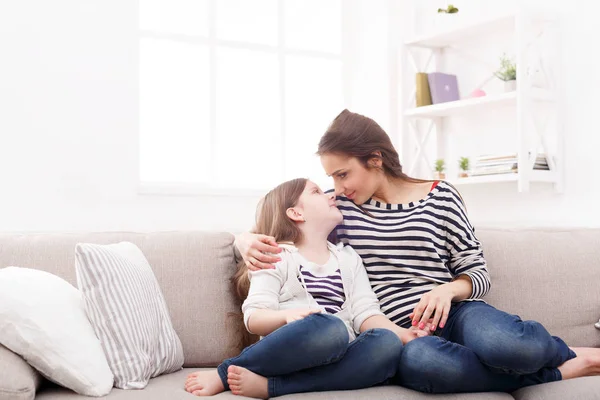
x=18 y=379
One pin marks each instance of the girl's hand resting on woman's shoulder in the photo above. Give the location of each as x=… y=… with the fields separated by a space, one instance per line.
x=253 y=247
x=296 y=314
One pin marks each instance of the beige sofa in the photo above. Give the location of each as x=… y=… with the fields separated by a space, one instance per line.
x=552 y=276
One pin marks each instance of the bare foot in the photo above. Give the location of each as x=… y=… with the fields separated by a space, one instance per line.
x=587 y=363
x=204 y=383
x=246 y=383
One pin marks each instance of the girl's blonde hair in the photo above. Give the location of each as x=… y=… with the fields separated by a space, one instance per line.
x=271 y=220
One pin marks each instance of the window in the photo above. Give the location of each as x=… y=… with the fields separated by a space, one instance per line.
x=235 y=94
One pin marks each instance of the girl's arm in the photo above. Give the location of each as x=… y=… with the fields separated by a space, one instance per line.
x=365 y=306
x=382 y=322
x=264 y=322
x=363 y=301
x=261 y=307
x=366 y=313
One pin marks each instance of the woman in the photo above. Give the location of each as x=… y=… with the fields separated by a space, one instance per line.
x=425 y=264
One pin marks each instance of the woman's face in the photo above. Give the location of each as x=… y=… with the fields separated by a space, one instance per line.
x=350 y=177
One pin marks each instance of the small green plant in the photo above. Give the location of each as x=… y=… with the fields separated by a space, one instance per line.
x=463 y=163
x=507 y=71
x=448 y=10
x=440 y=165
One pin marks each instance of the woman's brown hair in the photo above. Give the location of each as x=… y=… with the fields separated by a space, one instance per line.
x=355 y=135
x=271 y=220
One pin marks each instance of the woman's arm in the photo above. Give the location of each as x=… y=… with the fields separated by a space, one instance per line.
x=467 y=265
x=466 y=254
x=252 y=248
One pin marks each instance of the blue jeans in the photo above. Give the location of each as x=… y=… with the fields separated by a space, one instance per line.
x=482 y=349
x=313 y=354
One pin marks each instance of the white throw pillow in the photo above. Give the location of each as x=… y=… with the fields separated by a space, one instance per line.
x=128 y=312
x=42 y=318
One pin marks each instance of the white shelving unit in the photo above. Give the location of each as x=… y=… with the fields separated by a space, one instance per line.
x=526 y=28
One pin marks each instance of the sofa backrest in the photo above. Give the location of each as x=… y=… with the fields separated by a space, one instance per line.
x=552 y=276
x=192 y=269
x=548 y=275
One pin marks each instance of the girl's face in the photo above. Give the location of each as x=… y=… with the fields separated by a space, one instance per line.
x=351 y=178
x=317 y=208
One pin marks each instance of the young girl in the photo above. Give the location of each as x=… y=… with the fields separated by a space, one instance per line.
x=316 y=310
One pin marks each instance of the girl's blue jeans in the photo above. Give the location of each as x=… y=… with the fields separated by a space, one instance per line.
x=313 y=354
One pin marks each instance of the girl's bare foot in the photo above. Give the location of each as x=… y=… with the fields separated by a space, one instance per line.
x=587 y=363
x=246 y=383
x=204 y=383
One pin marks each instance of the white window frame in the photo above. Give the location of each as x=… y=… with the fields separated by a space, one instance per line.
x=188 y=189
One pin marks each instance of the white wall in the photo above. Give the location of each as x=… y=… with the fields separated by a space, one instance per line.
x=499 y=204
x=69 y=122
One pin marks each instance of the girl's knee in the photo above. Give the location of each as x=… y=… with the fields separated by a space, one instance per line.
x=387 y=339
x=329 y=334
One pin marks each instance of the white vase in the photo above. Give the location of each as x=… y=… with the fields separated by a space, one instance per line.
x=445 y=21
x=510 y=86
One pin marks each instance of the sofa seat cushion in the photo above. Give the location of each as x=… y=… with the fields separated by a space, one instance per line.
x=587 y=388
x=164 y=387
x=392 y=393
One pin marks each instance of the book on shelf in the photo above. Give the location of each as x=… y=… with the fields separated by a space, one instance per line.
x=443 y=87
x=423 y=95
x=504 y=164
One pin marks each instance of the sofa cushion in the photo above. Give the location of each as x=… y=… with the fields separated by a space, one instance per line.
x=192 y=269
x=587 y=388
x=547 y=275
x=128 y=313
x=392 y=393
x=165 y=387
x=18 y=379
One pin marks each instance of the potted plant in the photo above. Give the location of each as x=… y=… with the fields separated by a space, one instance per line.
x=463 y=164
x=448 y=10
x=507 y=73
x=446 y=17
x=440 y=165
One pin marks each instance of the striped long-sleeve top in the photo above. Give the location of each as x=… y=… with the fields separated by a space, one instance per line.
x=409 y=249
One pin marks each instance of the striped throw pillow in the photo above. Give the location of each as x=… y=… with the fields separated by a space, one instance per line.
x=128 y=313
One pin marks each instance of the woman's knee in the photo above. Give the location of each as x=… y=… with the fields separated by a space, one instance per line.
x=523 y=349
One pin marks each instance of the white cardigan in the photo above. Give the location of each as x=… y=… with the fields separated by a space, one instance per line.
x=281 y=288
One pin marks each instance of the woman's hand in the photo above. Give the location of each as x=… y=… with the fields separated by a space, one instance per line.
x=253 y=247
x=434 y=308
x=296 y=314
